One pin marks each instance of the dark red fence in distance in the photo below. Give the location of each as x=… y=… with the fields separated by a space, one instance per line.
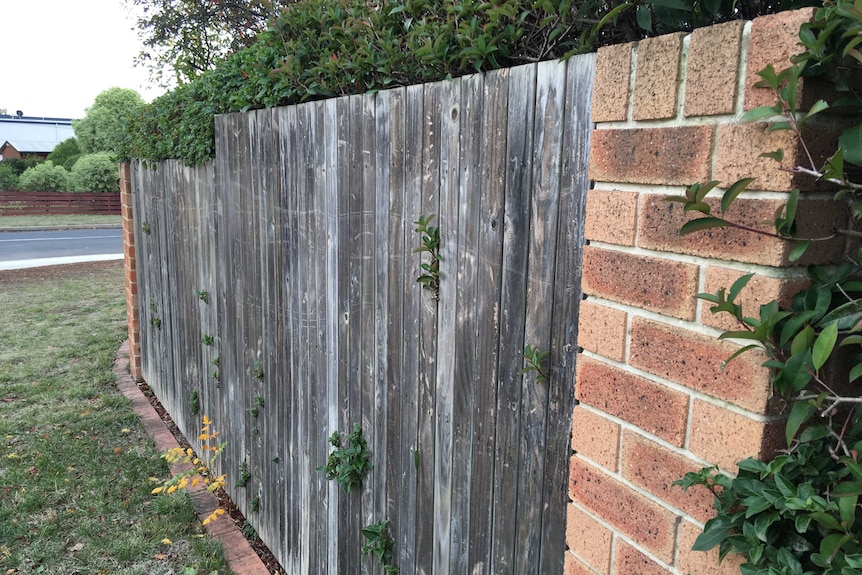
x=59 y=203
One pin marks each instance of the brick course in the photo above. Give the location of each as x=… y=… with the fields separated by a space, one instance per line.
x=632 y=514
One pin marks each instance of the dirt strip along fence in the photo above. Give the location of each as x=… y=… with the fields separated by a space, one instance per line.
x=59 y=203
x=301 y=234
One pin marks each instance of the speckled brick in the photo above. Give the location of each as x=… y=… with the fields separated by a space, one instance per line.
x=611 y=217
x=574 y=566
x=703 y=563
x=694 y=360
x=630 y=561
x=758 y=291
x=657 y=77
x=652 y=407
x=740 y=145
x=655 y=468
x=588 y=539
x=659 y=285
x=602 y=330
x=641 y=519
x=611 y=84
x=596 y=438
x=712 y=69
x=724 y=437
x=774 y=39
x=674 y=156
x=660 y=222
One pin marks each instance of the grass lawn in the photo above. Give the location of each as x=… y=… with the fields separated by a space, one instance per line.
x=57 y=221
x=76 y=467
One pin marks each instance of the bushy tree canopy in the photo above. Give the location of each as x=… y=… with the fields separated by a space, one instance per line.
x=192 y=36
x=95 y=173
x=8 y=178
x=63 y=151
x=103 y=129
x=44 y=177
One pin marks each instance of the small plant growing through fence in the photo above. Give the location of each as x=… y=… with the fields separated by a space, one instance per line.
x=145 y=227
x=207 y=340
x=202 y=295
x=256 y=371
x=380 y=545
x=216 y=361
x=536 y=362
x=244 y=475
x=259 y=402
x=350 y=464
x=194 y=402
x=199 y=473
x=254 y=504
x=430 y=278
x=156 y=323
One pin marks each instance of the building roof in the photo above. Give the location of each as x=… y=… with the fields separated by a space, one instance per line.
x=29 y=134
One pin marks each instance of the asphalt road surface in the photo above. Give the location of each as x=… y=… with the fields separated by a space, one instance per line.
x=31 y=249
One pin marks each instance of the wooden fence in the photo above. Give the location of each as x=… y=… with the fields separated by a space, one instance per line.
x=300 y=233
x=58 y=203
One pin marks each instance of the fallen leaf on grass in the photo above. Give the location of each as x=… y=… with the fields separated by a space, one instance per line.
x=167 y=541
x=76 y=547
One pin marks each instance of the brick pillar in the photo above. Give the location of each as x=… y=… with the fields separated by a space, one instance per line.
x=653 y=401
x=132 y=311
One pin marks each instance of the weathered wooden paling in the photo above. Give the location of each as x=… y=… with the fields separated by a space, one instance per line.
x=302 y=233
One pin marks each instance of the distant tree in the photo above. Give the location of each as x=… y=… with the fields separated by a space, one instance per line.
x=45 y=177
x=63 y=151
x=3 y=111
x=95 y=173
x=191 y=36
x=103 y=128
x=19 y=165
x=8 y=177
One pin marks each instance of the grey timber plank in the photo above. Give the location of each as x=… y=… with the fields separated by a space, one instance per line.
x=567 y=296
x=489 y=279
x=465 y=380
x=516 y=240
x=549 y=107
x=408 y=516
x=450 y=237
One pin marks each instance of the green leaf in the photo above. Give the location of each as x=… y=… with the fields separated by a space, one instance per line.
x=644 y=18
x=738 y=285
x=737 y=353
x=799 y=414
x=701 y=224
x=793 y=325
x=714 y=532
x=830 y=544
x=847 y=508
x=851 y=141
x=701 y=207
x=799 y=250
x=790 y=211
x=855 y=373
x=826 y=520
x=816 y=108
x=672 y=4
x=760 y=113
x=824 y=345
x=733 y=191
x=795 y=374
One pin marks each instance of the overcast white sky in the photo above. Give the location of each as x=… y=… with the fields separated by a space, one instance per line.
x=57 y=55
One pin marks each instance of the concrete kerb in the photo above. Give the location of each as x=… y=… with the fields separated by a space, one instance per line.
x=239 y=554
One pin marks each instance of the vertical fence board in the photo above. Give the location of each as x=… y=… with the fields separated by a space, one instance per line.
x=414 y=114
x=450 y=238
x=567 y=295
x=550 y=82
x=522 y=83
x=465 y=378
x=302 y=234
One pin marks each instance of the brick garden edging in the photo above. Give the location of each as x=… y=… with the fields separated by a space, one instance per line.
x=239 y=554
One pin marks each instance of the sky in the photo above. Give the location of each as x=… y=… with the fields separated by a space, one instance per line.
x=57 y=55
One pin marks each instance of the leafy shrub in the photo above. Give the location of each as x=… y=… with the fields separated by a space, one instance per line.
x=95 y=173
x=63 y=151
x=44 y=177
x=323 y=48
x=8 y=177
x=19 y=165
x=70 y=162
x=103 y=129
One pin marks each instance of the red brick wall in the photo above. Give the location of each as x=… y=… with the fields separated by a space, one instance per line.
x=654 y=403
x=132 y=311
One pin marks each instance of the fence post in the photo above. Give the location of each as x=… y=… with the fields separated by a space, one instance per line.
x=132 y=310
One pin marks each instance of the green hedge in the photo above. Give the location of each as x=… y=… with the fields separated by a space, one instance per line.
x=324 y=48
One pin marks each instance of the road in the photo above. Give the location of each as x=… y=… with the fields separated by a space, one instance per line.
x=31 y=249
